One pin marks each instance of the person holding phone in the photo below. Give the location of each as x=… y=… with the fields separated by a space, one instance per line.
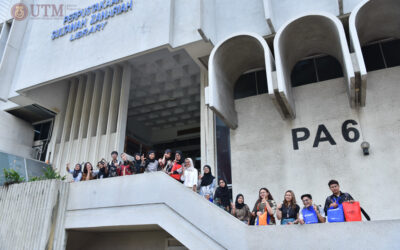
x=165 y=163
x=103 y=169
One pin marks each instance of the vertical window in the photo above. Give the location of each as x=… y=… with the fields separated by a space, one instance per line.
x=251 y=84
x=223 y=151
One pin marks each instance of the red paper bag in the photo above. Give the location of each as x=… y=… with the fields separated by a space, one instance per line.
x=352 y=211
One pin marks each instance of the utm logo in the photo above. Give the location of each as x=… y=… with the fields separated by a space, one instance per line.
x=19 y=11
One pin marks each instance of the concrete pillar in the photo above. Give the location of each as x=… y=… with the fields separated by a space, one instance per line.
x=207 y=125
x=67 y=123
x=103 y=112
x=94 y=116
x=71 y=151
x=56 y=128
x=11 y=54
x=84 y=119
x=5 y=31
x=113 y=109
x=123 y=108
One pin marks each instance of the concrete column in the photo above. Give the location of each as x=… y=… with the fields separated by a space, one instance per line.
x=103 y=112
x=113 y=109
x=84 y=119
x=10 y=55
x=56 y=128
x=71 y=151
x=123 y=108
x=207 y=131
x=94 y=116
x=67 y=123
x=5 y=31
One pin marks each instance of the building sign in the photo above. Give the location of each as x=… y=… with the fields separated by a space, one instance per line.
x=92 y=19
x=349 y=133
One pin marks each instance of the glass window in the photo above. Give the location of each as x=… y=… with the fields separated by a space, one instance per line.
x=42 y=131
x=36 y=129
x=245 y=86
x=303 y=73
x=223 y=151
x=328 y=68
x=391 y=52
x=373 y=58
x=262 y=86
x=251 y=84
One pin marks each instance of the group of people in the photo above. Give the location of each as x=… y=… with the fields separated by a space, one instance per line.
x=177 y=167
x=183 y=170
x=288 y=212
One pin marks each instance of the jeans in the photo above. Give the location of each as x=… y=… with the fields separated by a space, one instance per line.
x=286 y=221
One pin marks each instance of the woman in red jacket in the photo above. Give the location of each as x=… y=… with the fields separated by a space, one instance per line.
x=176 y=170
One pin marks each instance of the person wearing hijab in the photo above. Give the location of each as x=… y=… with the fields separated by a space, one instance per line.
x=240 y=210
x=207 y=183
x=87 y=172
x=189 y=175
x=223 y=197
x=176 y=170
x=151 y=162
x=76 y=172
x=103 y=170
x=138 y=164
x=165 y=163
x=125 y=165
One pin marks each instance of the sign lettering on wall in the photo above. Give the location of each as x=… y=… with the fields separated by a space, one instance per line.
x=349 y=133
x=91 y=19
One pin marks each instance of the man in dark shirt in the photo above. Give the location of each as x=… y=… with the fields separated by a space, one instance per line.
x=337 y=196
x=114 y=165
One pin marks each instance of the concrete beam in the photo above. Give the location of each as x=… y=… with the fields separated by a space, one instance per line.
x=67 y=123
x=307 y=35
x=123 y=108
x=370 y=21
x=228 y=60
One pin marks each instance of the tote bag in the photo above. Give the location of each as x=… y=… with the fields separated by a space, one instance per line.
x=352 y=211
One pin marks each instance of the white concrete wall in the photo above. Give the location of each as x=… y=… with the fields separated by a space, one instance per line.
x=16 y=135
x=32 y=215
x=263 y=155
x=96 y=214
x=146 y=240
x=101 y=206
x=149 y=25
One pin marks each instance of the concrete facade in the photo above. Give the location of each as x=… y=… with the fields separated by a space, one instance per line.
x=263 y=145
x=32 y=215
x=16 y=135
x=178 y=62
x=96 y=213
